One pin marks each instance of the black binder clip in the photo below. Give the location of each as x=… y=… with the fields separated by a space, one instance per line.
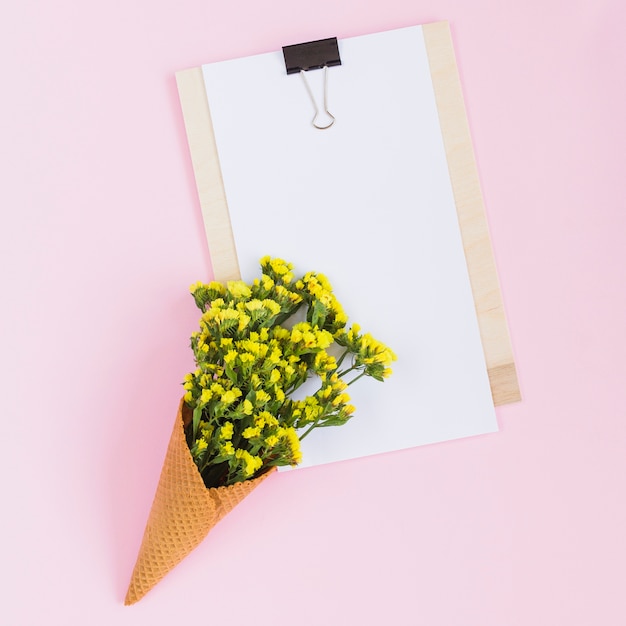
x=313 y=55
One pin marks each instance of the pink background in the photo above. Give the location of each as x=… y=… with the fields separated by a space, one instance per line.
x=101 y=235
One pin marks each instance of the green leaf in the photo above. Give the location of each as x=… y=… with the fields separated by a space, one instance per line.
x=318 y=314
x=232 y=376
x=197 y=414
x=333 y=421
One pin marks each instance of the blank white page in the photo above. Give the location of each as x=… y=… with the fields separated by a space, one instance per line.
x=367 y=202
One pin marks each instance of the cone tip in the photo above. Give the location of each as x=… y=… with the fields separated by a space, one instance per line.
x=132 y=596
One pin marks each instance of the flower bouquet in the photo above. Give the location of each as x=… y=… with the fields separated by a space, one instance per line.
x=244 y=411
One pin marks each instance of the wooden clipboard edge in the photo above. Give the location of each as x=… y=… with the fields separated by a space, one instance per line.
x=465 y=184
x=208 y=174
x=471 y=213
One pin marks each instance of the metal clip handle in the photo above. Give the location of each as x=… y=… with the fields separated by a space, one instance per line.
x=317 y=112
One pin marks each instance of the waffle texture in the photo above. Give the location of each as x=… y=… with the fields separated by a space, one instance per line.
x=182 y=514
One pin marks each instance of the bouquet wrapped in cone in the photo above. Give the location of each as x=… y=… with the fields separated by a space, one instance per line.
x=239 y=419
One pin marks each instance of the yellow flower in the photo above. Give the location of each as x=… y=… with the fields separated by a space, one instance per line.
x=265 y=418
x=251 y=432
x=250 y=463
x=341 y=399
x=238 y=289
x=312 y=410
x=267 y=282
x=280 y=333
x=272 y=306
x=231 y=395
x=274 y=376
x=271 y=441
x=230 y=356
x=275 y=355
x=217 y=389
x=247 y=407
x=227 y=449
x=338 y=384
x=243 y=321
x=201 y=445
x=340 y=316
x=326 y=391
x=262 y=396
x=251 y=346
x=227 y=314
x=205 y=396
x=254 y=305
x=294 y=445
x=216 y=286
x=324 y=282
x=325 y=362
x=280 y=266
x=226 y=431
x=324 y=339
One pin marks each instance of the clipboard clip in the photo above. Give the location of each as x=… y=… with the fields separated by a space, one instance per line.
x=313 y=55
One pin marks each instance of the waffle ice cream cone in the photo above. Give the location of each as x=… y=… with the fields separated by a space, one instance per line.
x=183 y=512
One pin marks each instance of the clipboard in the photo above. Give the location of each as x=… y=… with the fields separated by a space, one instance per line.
x=427 y=223
x=464 y=180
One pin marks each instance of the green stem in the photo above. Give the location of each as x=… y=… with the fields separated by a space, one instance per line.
x=316 y=422
x=310 y=428
x=342 y=357
x=363 y=373
x=342 y=374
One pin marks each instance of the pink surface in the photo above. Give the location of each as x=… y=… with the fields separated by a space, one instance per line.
x=101 y=235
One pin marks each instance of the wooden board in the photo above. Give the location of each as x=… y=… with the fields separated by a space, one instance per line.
x=465 y=184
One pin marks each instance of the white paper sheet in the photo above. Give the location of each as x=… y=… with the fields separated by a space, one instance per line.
x=367 y=202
